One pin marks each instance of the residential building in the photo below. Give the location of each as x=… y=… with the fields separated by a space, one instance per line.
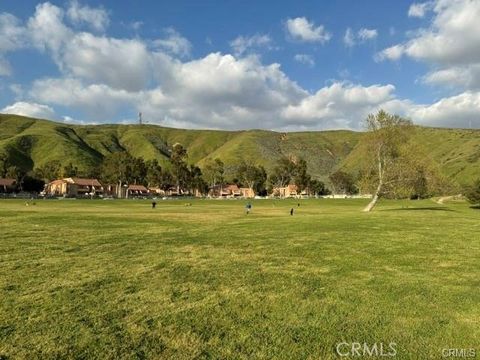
x=8 y=185
x=137 y=191
x=74 y=187
x=289 y=191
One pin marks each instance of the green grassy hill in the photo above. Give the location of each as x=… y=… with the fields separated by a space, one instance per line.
x=30 y=143
x=456 y=151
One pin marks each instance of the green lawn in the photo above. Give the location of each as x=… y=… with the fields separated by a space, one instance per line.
x=116 y=279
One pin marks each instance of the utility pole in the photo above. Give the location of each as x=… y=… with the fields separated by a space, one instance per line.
x=140 y=118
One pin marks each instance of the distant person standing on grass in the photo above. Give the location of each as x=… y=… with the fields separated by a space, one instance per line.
x=291 y=212
x=248 y=207
x=154 y=204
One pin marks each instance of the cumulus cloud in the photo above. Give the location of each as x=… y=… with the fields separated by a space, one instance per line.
x=305 y=59
x=451 y=44
x=301 y=29
x=98 y=101
x=222 y=91
x=462 y=77
x=419 y=9
x=119 y=63
x=12 y=33
x=5 y=68
x=48 y=31
x=174 y=43
x=12 y=37
x=367 y=34
x=96 y=18
x=350 y=39
x=104 y=78
x=242 y=44
x=393 y=53
x=340 y=105
x=30 y=109
x=456 y=111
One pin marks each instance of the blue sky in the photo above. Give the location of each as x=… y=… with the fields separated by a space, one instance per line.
x=241 y=64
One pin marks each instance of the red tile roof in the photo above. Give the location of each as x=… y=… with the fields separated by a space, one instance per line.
x=84 y=182
x=137 y=188
x=231 y=187
x=7 y=182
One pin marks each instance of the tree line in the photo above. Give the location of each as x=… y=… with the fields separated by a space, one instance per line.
x=393 y=166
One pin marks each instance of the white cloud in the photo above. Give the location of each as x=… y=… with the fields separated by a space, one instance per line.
x=393 y=53
x=419 y=9
x=12 y=37
x=305 y=59
x=454 y=36
x=12 y=33
x=96 y=18
x=30 y=109
x=349 y=38
x=136 y=25
x=221 y=91
x=340 y=105
x=242 y=44
x=98 y=101
x=16 y=89
x=302 y=30
x=463 y=77
x=457 y=111
x=363 y=35
x=367 y=34
x=174 y=43
x=103 y=78
x=119 y=63
x=5 y=68
x=47 y=29
x=451 y=45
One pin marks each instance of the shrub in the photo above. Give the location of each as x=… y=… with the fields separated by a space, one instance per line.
x=472 y=193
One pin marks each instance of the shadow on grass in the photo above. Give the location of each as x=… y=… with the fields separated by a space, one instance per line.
x=433 y=208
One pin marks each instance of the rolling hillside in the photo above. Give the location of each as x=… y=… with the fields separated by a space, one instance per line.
x=30 y=143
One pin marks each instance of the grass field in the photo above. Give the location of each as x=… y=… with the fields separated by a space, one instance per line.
x=116 y=279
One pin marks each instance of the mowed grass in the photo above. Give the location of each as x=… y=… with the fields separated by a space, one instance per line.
x=119 y=280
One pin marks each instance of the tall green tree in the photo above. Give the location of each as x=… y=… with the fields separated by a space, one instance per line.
x=138 y=171
x=301 y=178
x=180 y=172
x=317 y=187
x=252 y=176
x=4 y=163
x=386 y=140
x=117 y=169
x=32 y=184
x=51 y=170
x=342 y=183
x=214 y=171
x=15 y=172
x=283 y=173
x=166 y=181
x=153 y=173
x=69 y=170
x=196 y=183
